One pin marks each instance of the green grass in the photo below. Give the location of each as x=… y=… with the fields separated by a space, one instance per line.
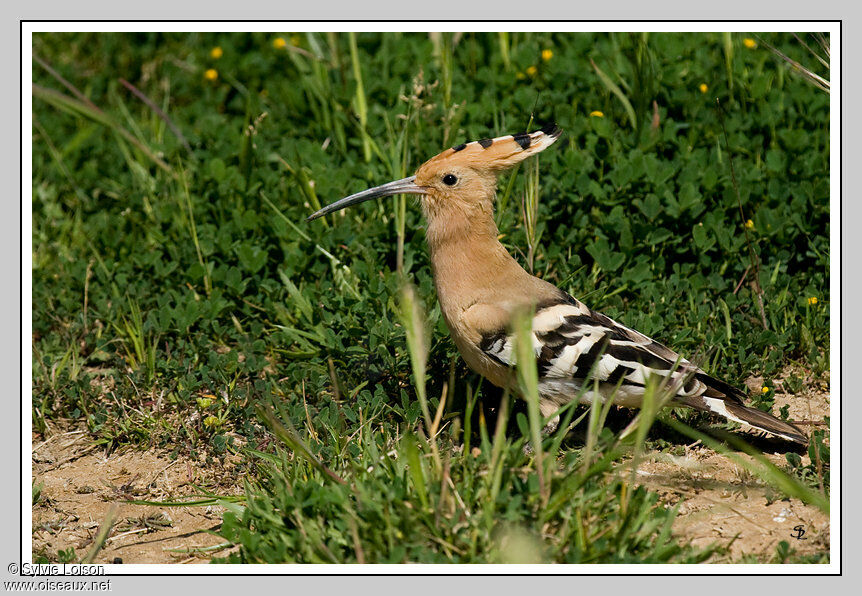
x=178 y=270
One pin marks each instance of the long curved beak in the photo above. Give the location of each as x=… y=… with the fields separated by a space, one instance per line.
x=405 y=186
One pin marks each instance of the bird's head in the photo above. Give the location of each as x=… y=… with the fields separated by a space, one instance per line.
x=461 y=178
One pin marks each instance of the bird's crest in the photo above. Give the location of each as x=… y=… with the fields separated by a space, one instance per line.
x=499 y=153
x=485 y=156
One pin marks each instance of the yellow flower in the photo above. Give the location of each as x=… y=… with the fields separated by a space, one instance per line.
x=812 y=300
x=211 y=74
x=547 y=55
x=278 y=43
x=765 y=389
x=532 y=70
x=597 y=114
x=216 y=53
x=749 y=43
x=703 y=88
x=749 y=224
x=295 y=40
x=519 y=76
x=211 y=421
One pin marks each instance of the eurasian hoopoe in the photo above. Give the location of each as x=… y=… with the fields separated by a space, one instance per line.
x=481 y=289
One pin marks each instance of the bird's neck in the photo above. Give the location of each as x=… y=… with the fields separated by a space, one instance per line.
x=468 y=260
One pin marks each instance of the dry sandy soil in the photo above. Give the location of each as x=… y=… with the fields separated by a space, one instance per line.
x=720 y=502
x=82 y=487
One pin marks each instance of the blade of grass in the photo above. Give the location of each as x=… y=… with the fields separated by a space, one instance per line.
x=503 y=199
x=288 y=435
x=73 y=106
x=614 y=88
x=65 y=83
x=496 y=465
x=414 y=329
x=101 y=535
x=300 y=176
x=530 y=212
x=727 y=38
x=726 y=312
x=503 y=39
x=58 y=159
x=361 y=105
x=409 y=445
x=140 y=95
x=472 y=396
x=806 y=73
x=194 y=232
x=528 y=377
x=812 y=52
x=656 y=396
x=191 y=503
x=566 y=425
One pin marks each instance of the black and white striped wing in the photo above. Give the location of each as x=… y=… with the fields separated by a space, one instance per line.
x=574 y=344
x=571 y=341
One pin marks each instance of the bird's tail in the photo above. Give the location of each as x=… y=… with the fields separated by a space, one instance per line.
x=727 y=401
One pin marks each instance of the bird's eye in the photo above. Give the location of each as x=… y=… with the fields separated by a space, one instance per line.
x=449 y=179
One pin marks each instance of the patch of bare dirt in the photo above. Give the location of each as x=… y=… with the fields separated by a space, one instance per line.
x=722 y=502
x=82 y=486
x=807 y=406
